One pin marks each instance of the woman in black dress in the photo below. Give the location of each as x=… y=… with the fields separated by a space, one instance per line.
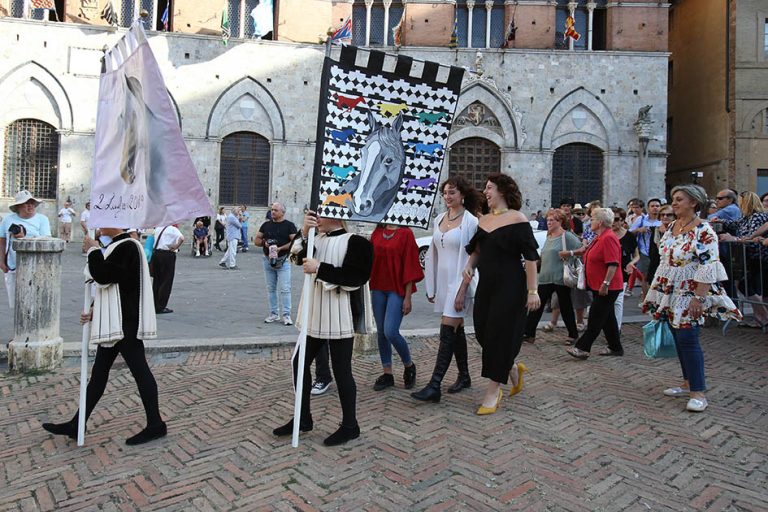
x=503 y=240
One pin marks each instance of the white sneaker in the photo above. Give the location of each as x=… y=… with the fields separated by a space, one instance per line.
x=697 y=404
x=318 y=388
x=676 y=392
x=548 y=327
x=581 y=327
x=287 y=320
x=271 y=318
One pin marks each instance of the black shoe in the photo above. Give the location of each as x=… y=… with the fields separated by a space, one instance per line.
x=287 y=429
x=430 y=393
x=223 y=265
x=150 y=433
x=342 y=435
x=384 y=381
x=68 y=429
x=164 y=311
x=462 y=382
x=409 y=376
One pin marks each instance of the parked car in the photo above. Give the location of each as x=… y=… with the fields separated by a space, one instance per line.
x=424 y=241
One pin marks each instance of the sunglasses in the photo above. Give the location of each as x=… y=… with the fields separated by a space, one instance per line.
x=617 y=219
x=721 y=198
x=667 y=214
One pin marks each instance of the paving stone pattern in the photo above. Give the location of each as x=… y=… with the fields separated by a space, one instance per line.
x=593 y=435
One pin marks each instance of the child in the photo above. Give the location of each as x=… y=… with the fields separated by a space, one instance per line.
x=201 y=239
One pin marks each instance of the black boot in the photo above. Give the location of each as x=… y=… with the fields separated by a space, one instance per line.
x=150 y=433
x=462 y=363
x=68 y=429
x=431 y=392
x=287 y=429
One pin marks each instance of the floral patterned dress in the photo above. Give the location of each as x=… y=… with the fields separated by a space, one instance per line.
x=687 y=259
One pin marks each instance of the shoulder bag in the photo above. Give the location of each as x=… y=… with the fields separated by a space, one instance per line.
x=572 y=269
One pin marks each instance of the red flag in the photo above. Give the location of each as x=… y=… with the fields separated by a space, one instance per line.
x=570 y=31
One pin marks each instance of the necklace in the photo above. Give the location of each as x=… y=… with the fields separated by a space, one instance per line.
x=499 y=211
x=388 y=236
x=451 y=219
x=680 y=231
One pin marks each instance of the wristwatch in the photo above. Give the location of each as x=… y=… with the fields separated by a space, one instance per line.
x=607 y=283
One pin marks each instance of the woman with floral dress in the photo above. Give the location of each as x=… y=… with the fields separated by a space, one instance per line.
x=687 y=288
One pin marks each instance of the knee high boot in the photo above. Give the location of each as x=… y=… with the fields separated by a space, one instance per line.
x=431 y=392
x=462 y=363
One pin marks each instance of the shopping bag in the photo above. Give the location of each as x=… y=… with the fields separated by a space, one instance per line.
x=658 y=340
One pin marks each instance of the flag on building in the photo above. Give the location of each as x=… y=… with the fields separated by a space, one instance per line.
x=225 y=33
x=143 y=175
x=109 y=14
x=43 y=4
x=570 y=30
x=164 y=17
x=455 y=34
x=397 y=32
x=381 y=138
x=344 y=33
x=263 y=19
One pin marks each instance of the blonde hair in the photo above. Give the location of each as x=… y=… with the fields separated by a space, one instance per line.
x=750 y=203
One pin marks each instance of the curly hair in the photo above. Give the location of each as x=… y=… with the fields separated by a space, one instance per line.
x=474 y=201
x=558 y=215
x=508 y=189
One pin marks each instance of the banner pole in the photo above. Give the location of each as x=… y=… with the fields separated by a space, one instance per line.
x=84 y=367
x=306 y=292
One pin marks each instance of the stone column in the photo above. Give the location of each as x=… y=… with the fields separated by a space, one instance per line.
x=488 y=9
x=368 y=7
x=387 y=5
x=36 y=343
x=470 y=7
x=572 y=12
x=590 y=21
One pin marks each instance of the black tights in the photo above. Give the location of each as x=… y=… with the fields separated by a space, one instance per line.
x=341 y=361
x=133 y=355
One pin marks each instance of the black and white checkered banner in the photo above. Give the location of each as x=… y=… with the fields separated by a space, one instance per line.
x=381 y=137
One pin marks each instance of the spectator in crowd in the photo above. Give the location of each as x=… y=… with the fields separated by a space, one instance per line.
x=443 y=263
x=560 y=246
x=23 y=222
x=65 y=222
x=588 y=235
x=201 y=239
x=122 y=276
x=711 y=207
x=244 y=216
x=764 y=200
x=686 y=288
x=572 y=223
x=339 y=271
x=85 y=216
x=275 y=237
x=666 y=215
x=635 y=210
x=642 y=229
x=220 y=227
x=503 y=239
x=233 y=234
x=629 y=257
x=601 y=267
x=727 y=206
x=396 y=270
x=167 y=243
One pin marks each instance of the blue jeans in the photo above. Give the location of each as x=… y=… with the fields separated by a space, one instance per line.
x=244 y=235
x=278 y=281
x=691 y=357
x=388 y=312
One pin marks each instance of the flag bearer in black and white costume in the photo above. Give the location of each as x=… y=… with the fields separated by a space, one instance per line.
x=123 y=314
x=339 y=306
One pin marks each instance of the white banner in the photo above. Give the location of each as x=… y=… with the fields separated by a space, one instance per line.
x=143 y=175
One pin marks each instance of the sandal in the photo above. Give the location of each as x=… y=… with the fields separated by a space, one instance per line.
x=549 y=327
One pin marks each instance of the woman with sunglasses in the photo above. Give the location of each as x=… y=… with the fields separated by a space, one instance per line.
x=666 y=216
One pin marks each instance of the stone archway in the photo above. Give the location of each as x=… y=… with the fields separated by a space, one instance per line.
x=246 y=106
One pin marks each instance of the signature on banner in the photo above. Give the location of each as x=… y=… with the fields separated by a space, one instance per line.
x=118 y=203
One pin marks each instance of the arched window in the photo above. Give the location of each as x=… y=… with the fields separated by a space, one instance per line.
x=474 y=159
x=31 y=158
x=577 y=172
x=244 y=170
x=380 y=13
x=481 y=36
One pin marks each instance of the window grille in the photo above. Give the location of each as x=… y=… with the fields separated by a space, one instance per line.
x=474 y=159
x=127 y=12
x=577 y=172
x=377 y=26
x=478 y=26
x=358 y=25
x=250 y=26
x=359 y=14
x=233 y=12
x=244 y=170
x=765 y=37
x=148 y=6
x=498 y=27
x=395 y=13
x=31 y=158
x=765 y=121
x=462 y=22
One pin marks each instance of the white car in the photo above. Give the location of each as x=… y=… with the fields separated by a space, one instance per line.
x=424 y=241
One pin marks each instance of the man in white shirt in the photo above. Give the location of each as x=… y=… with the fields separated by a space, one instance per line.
x=65 y=221
x=168 y=239
x=85 y=216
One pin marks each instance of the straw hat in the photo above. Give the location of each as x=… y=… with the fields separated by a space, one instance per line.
x=22 y=197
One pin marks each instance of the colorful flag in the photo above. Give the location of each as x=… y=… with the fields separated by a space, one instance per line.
x=344 y=33
x=455 y=34
x=109 y=14
x=143 y=175
x=43 y=4
x=164 y=18
x=381 y=138
x=397 y=32
x=263 y=19
x=570 y=30
x=225 y=33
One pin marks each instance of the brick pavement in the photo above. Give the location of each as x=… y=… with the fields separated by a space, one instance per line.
x=594 y=435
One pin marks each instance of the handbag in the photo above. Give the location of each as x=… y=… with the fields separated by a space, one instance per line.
x=572 y=269
x=658 y=340
x=149 y=249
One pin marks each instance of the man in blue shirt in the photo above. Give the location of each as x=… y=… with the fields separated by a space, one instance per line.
x=727 y=206
x=26 y=222
x=642 y=228
x=233 y=231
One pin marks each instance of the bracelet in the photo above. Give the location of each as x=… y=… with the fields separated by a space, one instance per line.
x=533 y=292
x=571 y=253
x=607 y=283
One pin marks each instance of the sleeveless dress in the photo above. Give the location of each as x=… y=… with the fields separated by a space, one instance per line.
x=500 y=300
x=447 y=246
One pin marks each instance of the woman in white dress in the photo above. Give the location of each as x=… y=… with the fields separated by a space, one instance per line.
x=443 y=267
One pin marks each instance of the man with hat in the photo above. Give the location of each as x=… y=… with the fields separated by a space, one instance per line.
x=23 y=222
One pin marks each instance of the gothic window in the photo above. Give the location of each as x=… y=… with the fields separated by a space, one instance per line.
x=55 y=14
x=233 y=17
x=31 y=158
x=577 y=172
x=765 y=37
x=474 y=159
x=484 y=35
x=244 y=169
x=380 y=16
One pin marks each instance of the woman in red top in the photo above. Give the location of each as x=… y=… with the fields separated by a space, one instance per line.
x=396 y=270
x=601 y=264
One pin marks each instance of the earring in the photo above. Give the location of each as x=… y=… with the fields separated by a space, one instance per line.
x=462 y=201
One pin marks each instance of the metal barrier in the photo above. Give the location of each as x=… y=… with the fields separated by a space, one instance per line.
x=746 y=264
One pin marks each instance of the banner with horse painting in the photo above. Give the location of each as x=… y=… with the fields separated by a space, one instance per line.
x=143 y=175
x=381 y=137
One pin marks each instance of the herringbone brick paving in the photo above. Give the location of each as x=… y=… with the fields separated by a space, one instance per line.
x=594 y=435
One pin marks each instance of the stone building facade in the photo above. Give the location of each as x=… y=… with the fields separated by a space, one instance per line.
x=562 y=122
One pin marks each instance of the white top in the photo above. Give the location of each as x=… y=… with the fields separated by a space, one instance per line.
x=222 y=219
x=65 y=214
x=170 y=237
x=85 y=216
